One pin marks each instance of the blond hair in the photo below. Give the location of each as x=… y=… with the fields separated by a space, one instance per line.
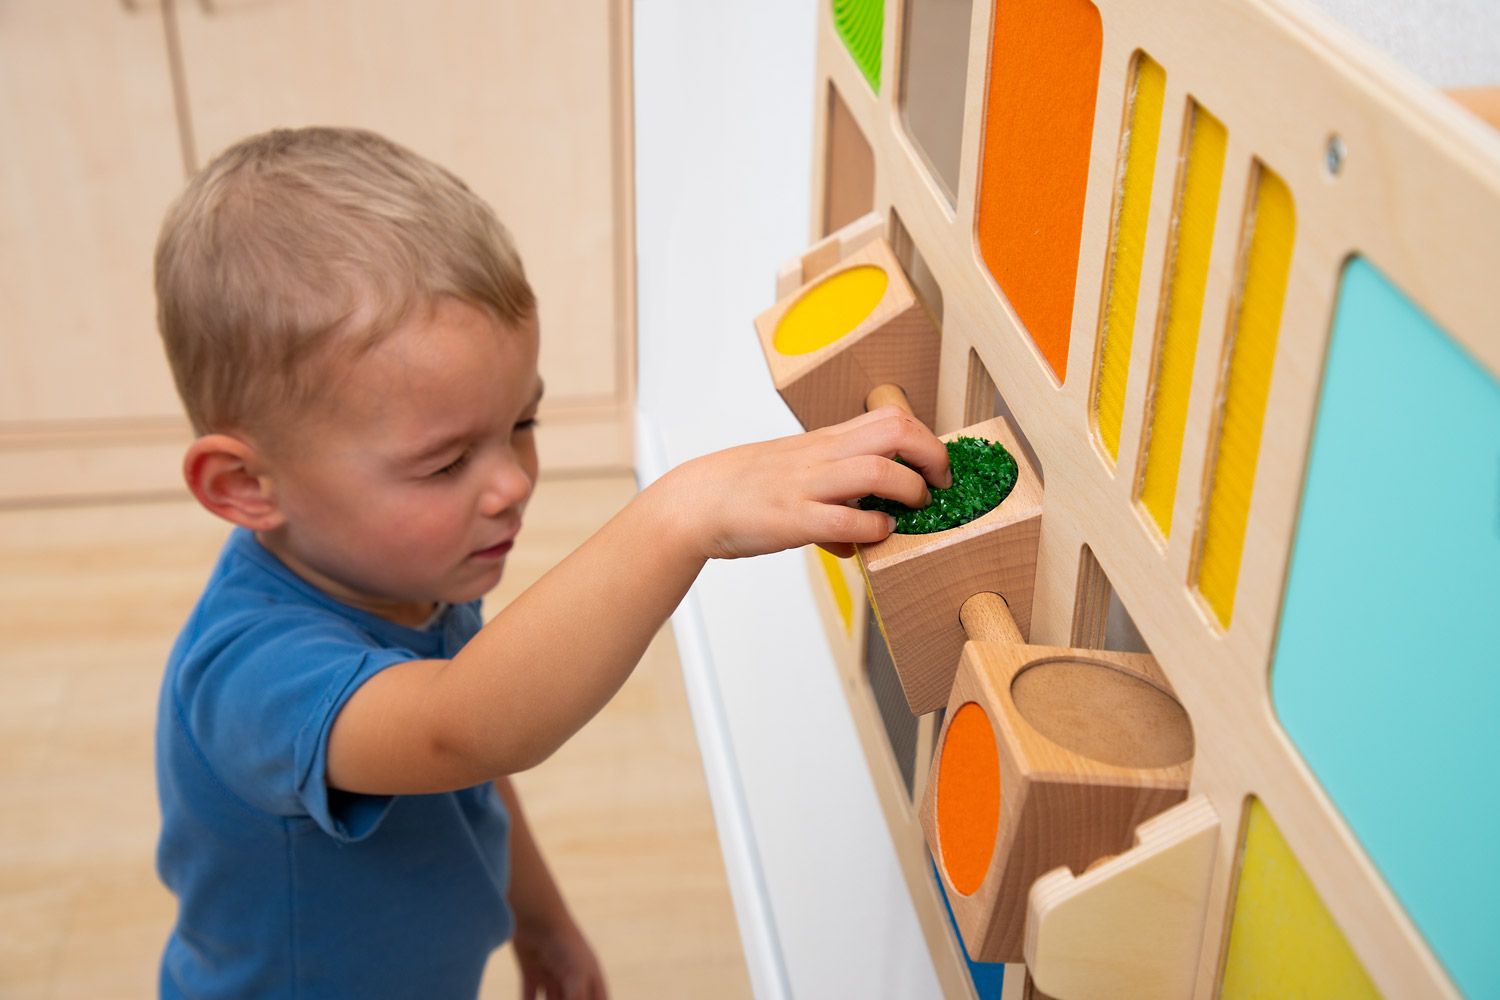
x=294 y=245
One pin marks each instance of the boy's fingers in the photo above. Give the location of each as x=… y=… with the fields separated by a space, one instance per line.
x=863 y=475
x=836 y=523
x=868 y=417
x=896 y=434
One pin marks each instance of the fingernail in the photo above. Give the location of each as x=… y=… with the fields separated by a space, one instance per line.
x=949 y=483
x=890 y=525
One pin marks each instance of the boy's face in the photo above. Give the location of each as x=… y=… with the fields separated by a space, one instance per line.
x=409 y=479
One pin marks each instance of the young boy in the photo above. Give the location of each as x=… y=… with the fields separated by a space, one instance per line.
x=356 y=345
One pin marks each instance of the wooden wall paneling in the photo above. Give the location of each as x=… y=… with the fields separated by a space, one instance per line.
x=86 y=99
x=93 y=159
x=533 y=118
x=622 y=173
x=1129 y=927
x=91 y=410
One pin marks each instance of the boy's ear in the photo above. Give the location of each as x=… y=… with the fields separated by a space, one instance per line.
x=228 y=477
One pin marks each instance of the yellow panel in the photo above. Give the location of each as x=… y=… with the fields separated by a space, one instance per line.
x=1282 y=941
x=1131 y=209
x=828 y=310
x=1197 y=204
x=842 y=599
x=1252 y=349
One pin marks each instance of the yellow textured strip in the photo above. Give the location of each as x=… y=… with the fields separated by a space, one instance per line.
x=1131 y=209
x=1252 y=349
x=1197 y=203
x=1283 y=942
x=870 y=595
x=842 y=599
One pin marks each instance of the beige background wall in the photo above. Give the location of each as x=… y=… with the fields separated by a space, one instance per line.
x=107 y=105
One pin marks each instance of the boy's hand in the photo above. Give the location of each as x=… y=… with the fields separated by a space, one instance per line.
x=797 y=490
x=558 y=964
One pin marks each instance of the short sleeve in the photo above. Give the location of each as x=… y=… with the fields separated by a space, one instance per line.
x=261 y=708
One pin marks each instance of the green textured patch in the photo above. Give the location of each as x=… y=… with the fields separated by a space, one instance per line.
x=984 y=473
x=861 y=24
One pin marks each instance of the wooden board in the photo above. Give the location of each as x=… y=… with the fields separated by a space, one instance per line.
x=919 y=582
x=1375 y=164
x=1128 y=927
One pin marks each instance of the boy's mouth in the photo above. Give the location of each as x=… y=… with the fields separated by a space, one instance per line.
x=494 y=551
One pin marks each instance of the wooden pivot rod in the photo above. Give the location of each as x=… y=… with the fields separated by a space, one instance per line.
x=987 y=618
x=888 y=394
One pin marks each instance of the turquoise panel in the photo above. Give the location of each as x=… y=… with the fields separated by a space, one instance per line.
x=1387 y=666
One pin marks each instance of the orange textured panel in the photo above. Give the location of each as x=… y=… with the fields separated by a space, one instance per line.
x=968 y=798
x=1039 y=125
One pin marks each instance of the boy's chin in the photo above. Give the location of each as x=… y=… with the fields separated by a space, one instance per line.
x=475 y=588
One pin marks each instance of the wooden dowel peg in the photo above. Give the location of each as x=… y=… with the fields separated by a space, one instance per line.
x=987 y=618
x=888 y=394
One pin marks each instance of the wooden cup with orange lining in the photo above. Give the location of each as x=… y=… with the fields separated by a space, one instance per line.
x=1047 y=757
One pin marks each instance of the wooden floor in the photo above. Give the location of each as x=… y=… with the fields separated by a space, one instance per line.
x=90 y=600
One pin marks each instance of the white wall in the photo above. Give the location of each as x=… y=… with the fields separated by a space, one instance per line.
x=1448 y=43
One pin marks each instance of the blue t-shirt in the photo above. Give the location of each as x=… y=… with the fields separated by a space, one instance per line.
x=285 y=887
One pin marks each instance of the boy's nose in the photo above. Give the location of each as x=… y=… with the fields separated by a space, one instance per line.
x=508 y=485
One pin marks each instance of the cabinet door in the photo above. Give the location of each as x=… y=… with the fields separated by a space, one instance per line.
x=518 y=98
x=89 y=160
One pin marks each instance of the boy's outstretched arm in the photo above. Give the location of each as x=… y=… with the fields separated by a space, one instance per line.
x=547 y=663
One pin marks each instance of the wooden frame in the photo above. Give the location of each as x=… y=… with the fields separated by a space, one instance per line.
x=113 y=429
x=1379 y=166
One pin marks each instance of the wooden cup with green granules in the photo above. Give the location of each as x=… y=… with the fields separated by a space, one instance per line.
x=979 y=535
x=984 y=473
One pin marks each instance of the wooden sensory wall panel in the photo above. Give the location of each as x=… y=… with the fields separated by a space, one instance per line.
x=1239 y=155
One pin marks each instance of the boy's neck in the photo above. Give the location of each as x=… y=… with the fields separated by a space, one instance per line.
x=412 y=614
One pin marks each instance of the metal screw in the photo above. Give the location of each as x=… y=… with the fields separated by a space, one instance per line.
x=1334 y=155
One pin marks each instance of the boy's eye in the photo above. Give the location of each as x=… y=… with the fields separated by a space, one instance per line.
x=526 y=425
x=454 y=466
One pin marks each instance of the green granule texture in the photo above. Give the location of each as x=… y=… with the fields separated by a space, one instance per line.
x=984 y=473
